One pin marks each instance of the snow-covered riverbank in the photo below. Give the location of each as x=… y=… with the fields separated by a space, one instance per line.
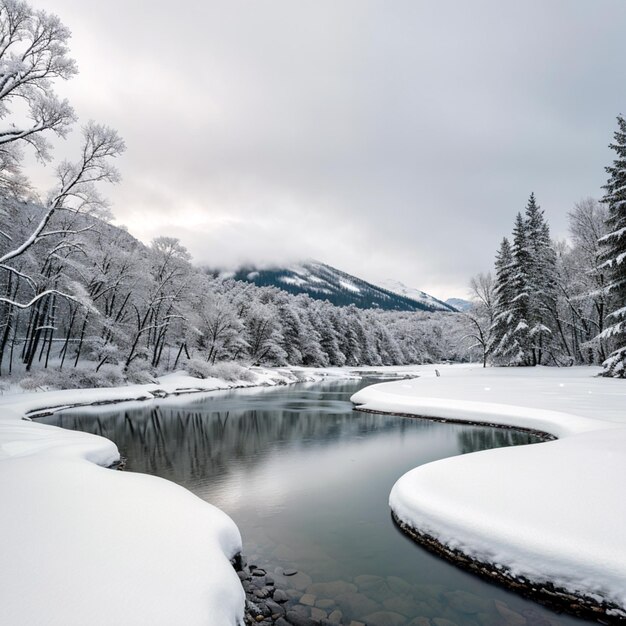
x=548 y=513
x=82 y=544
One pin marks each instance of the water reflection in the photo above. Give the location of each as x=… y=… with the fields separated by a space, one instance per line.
x=486 y=439
x=307 y=479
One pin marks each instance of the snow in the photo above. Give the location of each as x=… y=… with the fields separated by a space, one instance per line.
x=349 y=286
x=292 y=280
x=550 y=512
x=399 y=288
x=82 y=544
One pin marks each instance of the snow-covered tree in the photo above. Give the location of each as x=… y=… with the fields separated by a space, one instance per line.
x=525 y=293
x=614 y=254
x=33 y=55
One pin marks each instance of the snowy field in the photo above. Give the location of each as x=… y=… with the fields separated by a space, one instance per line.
x=549 y=512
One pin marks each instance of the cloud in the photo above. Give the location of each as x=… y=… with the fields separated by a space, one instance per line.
x=388 y=139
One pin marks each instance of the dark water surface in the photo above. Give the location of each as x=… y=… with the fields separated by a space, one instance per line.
x=307 y=480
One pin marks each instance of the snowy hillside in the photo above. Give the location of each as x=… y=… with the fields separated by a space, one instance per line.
x=323 y=282
x=395 y=286
x=459 y=304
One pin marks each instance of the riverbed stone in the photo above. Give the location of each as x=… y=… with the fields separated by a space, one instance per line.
x=399 y=585
x=385 y=618
x=335 y=616
x=308 y=599
x=400 y=604
x=356 y=604
x=318 y=614
x=374 y=587
x=280 y=595
x=425 y=609
x=420 y=621
x=442 y=621
x=464 y=602
x=325 y=603
x=298 y=619
x=276 y=610
x=331 y=589
x=511 y=617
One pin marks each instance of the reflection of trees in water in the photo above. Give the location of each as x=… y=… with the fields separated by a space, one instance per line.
x=195 y=442
x=208 y=438
x=475 y=439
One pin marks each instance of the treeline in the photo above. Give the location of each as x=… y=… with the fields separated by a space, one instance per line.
x=108 y=300
x=560 y=303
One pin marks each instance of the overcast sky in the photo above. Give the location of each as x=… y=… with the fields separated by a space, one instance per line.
x=389 y=139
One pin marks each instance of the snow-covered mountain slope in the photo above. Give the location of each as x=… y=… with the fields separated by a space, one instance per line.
x=323 y=282
x=459 y=304
x=395 y=286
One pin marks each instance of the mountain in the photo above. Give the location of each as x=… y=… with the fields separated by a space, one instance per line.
x=323 y=282
x=395 y=286
x=459 y=304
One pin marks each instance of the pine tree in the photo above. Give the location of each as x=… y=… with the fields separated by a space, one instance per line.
x=504 y=297
x=614 y=255
x=526 y=303
x=521 y=291
x=541 y=271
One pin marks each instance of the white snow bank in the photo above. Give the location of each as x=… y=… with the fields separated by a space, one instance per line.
x=550 y=512
x=82 y=544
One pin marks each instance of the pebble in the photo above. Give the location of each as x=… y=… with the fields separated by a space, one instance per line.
x=308 y=599
x=275 y=609
x=325 y=603
x=318 y=614
x=356 y=604
x=296 y=619
x=280 y=596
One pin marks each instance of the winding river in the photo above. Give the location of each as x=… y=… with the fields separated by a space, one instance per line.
x=307 y=479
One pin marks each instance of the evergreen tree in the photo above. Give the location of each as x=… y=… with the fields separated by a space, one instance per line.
x=518 y=327
x=526 y=309
x=503 y=316
x=541 y=273
x=614 y=254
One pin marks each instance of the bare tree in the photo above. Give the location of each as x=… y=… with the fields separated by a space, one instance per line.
x=33 y=55
x=481 y=316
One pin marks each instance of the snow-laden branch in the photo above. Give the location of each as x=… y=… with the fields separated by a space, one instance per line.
x=38 y=297
x=101 y=143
